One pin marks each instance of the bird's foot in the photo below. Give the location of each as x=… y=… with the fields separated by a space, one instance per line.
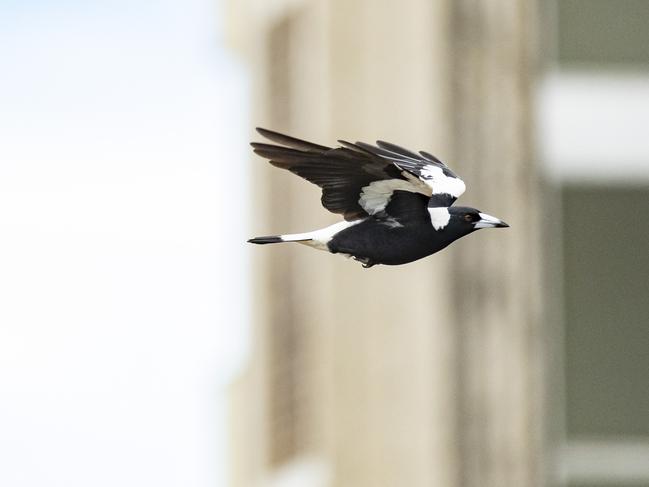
x=367 y=263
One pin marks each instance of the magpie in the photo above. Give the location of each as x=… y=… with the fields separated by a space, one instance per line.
x=396 y=203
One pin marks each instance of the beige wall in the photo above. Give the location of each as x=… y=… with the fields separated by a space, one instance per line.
x=425 y=374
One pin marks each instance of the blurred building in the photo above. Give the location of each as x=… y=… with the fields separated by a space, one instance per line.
x=514 y=358
x=593 y=114
x=431 y=374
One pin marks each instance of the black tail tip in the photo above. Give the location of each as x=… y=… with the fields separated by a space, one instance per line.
x=266 y=240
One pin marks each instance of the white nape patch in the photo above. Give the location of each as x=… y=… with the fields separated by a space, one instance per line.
x=318 y=239
x=439 y=217
x=440 y=183
x=376 y=195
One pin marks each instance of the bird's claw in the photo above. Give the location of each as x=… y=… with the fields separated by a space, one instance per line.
x=367 y=263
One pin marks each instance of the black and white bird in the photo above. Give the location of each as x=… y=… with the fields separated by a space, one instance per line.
x=396 y=204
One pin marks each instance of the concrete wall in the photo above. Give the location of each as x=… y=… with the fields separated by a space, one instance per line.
x=419 y=375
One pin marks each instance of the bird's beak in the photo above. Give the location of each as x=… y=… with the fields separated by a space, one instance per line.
x=488 y=221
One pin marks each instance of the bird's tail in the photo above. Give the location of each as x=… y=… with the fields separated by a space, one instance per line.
x=280 y=238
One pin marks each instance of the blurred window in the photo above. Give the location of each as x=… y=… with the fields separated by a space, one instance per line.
x=603 y=32
x=606 y=309
x=605 y=232
x=593 y=132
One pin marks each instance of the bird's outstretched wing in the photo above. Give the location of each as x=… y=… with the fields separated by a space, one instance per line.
x=444 y=185
x=359 y=179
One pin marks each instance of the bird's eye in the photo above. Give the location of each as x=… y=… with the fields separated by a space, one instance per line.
x=468 y=217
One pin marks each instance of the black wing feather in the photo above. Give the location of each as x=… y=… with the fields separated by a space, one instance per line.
x=345 y=173
x=431 y=157
x=414 y=164
x=289 y=141
x=340 y=172
x=398 y=150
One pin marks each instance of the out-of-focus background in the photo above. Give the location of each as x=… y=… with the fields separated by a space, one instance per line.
x=514 y=358
x=142 y=343
x=123 y=278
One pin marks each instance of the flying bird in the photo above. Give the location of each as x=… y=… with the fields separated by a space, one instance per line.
x=396 y=203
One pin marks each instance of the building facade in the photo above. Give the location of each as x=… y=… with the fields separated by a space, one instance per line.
x=430 y=374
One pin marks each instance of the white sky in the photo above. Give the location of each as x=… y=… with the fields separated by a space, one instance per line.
x=123 y=143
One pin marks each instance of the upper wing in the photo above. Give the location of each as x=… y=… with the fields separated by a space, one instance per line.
x=358 y=180
x=445 y=186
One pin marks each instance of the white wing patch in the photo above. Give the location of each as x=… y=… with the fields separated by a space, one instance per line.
x=439 y=217
x=376 y=195
x=440 y=183
x=421 y=186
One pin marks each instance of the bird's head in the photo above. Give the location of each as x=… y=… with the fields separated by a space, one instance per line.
x=468 y=219
x=457 y=221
